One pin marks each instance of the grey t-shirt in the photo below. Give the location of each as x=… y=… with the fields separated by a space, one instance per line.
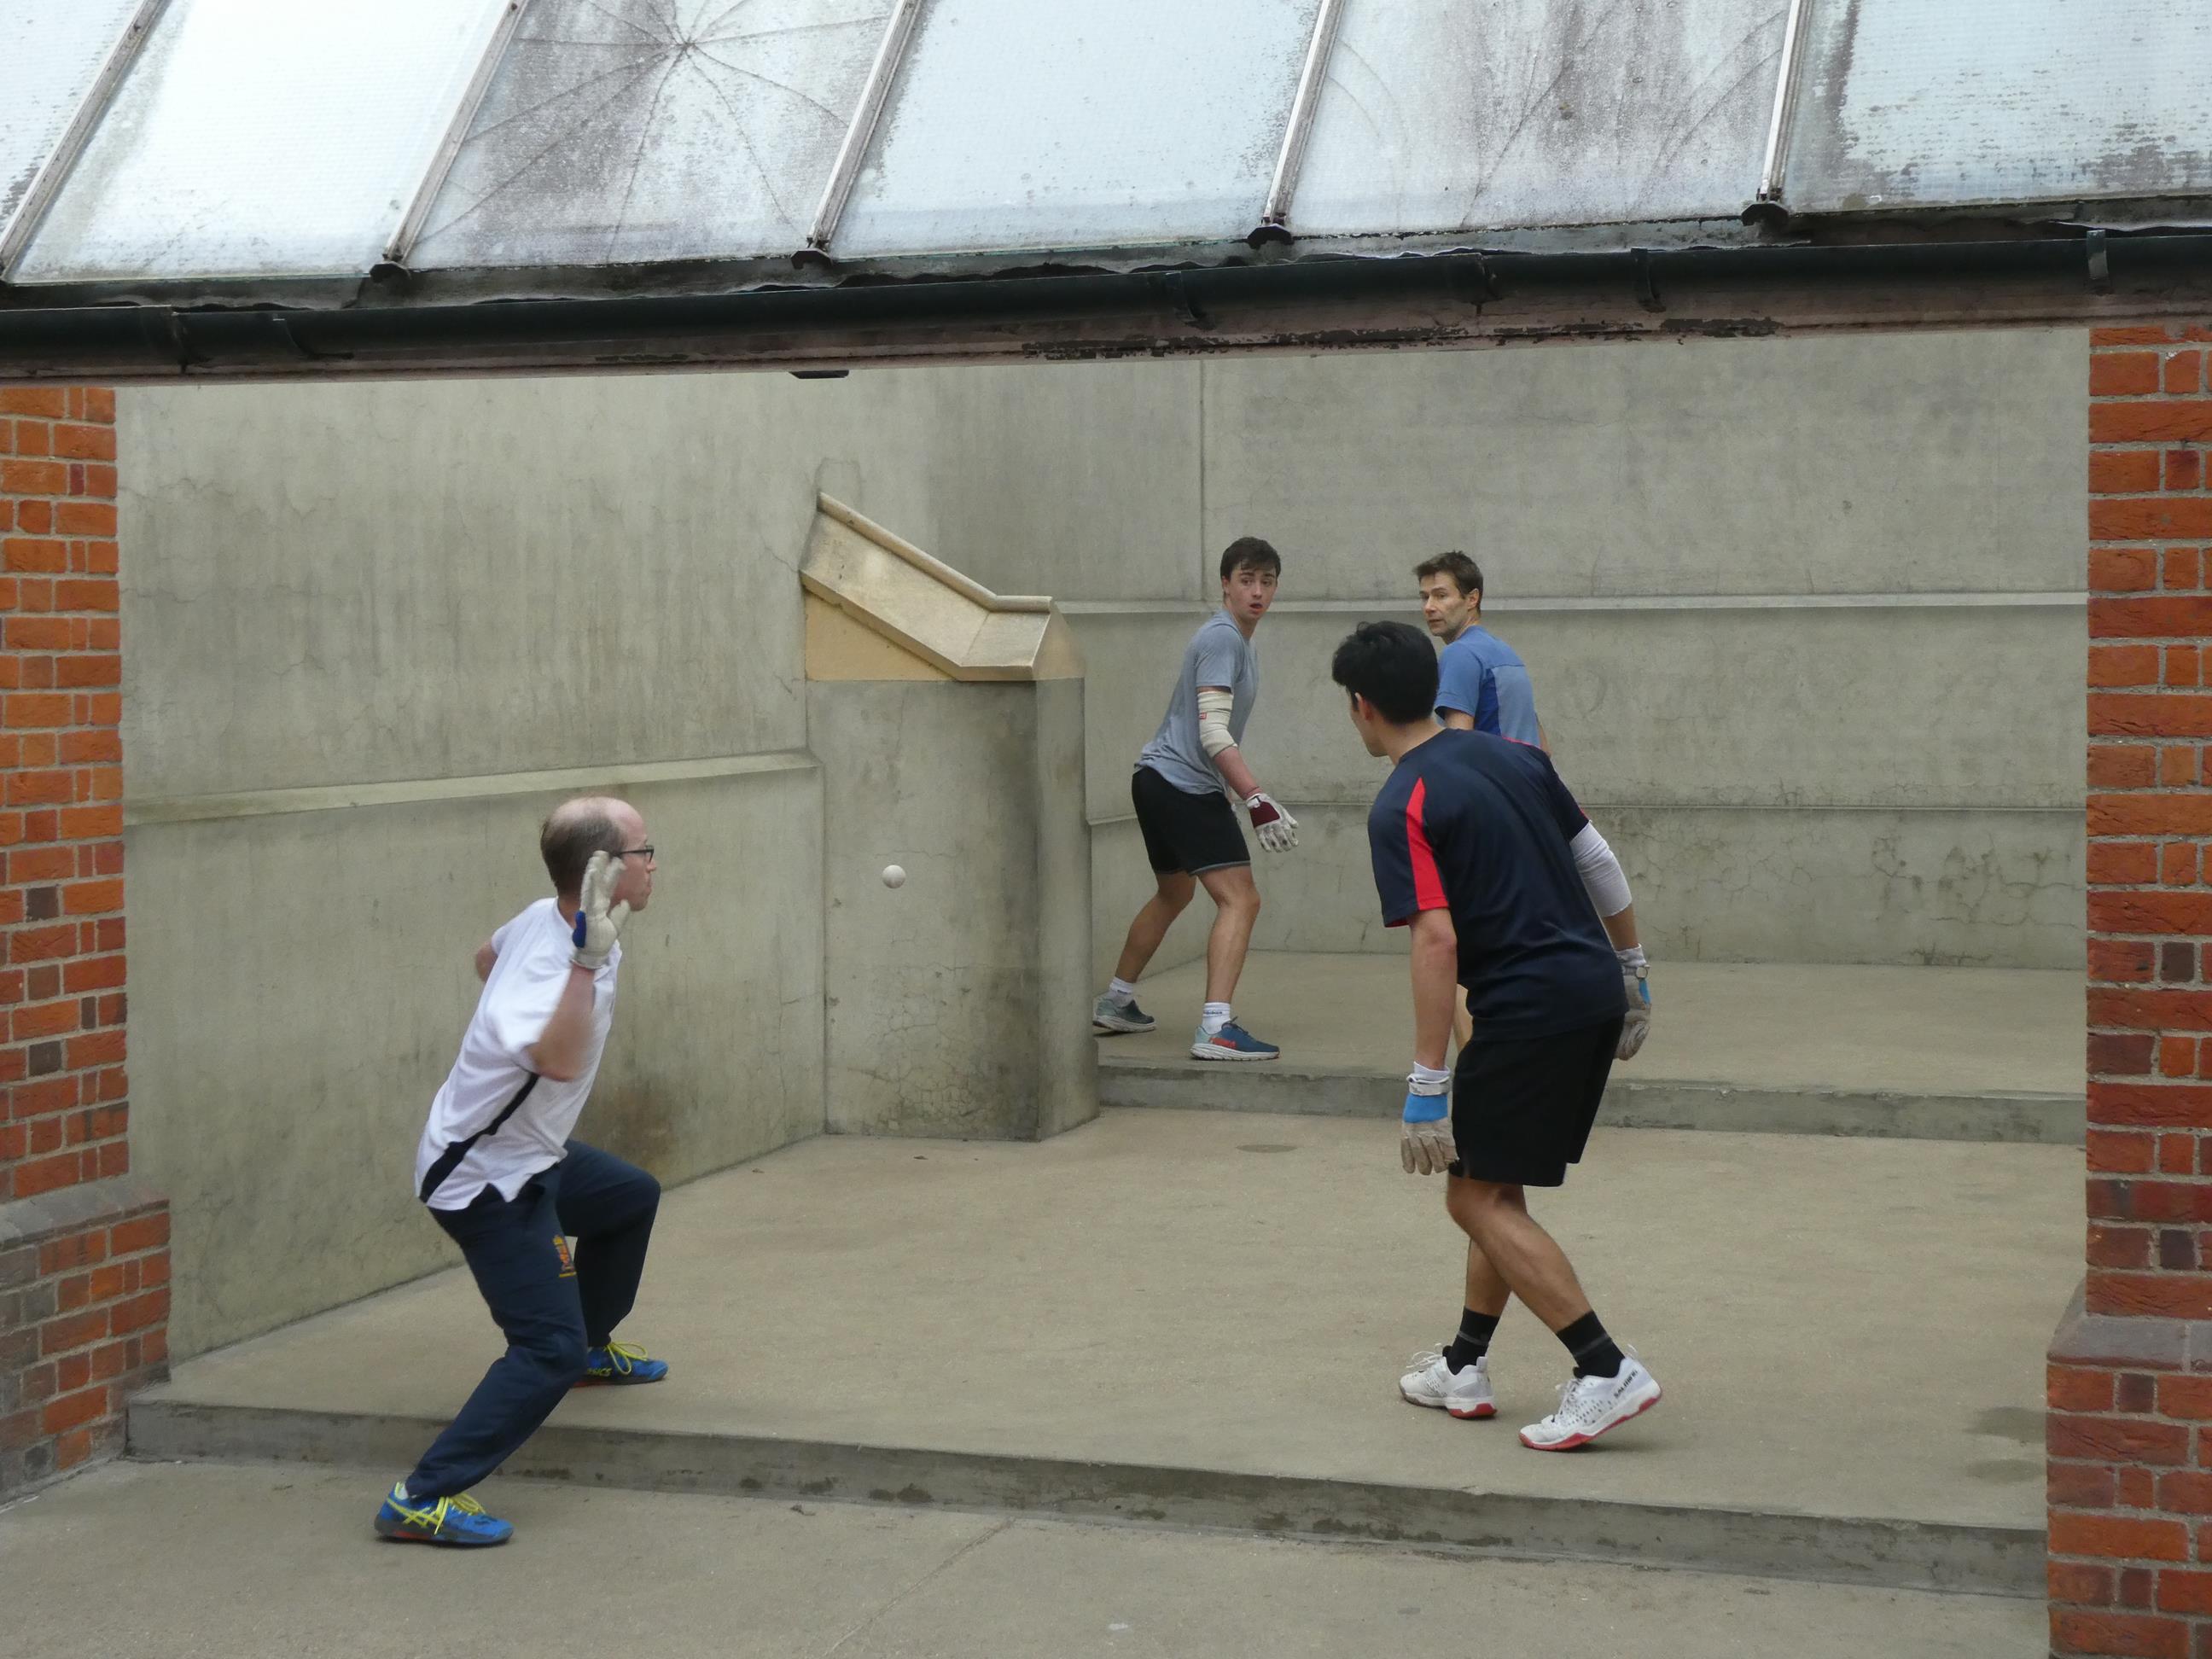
x=1217 y=654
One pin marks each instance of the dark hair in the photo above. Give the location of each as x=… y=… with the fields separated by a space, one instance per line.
x=1463 y=571
x=1391 y=665
x=568 y=839
x=1249 y=550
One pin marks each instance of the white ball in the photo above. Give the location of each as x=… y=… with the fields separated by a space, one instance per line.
x=893 y=876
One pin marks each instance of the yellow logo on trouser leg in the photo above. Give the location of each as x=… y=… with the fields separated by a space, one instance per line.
x=568 y=1261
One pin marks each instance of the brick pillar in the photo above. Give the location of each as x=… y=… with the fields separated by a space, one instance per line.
x=84 y=1259
x=2130 y=1375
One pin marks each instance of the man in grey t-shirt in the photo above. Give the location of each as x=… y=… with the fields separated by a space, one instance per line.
x=1190 y=830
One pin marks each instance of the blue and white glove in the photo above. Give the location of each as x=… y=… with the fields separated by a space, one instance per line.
x=1636 y=994
x=1424 y=1134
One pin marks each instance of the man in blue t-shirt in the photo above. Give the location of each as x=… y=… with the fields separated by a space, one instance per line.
x=1482 y=684
x=1511 y=891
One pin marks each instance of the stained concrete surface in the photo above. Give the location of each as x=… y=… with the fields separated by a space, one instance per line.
x=140 y=1561
x=1845 y=1328
x=1765 y=1025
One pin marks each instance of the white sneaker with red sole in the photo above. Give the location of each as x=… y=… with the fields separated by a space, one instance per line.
x=1591 y=1406
x=1463 y=1393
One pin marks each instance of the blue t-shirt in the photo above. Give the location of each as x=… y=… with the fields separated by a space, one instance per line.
x=1481 y=675
x=1217 y=654
x=1482 y=827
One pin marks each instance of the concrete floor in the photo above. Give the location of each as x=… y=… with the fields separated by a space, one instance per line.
x=1906 y=1031
x=1850 y=1329
x=166 y=1562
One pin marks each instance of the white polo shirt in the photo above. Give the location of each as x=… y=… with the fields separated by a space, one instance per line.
x=494 y=1072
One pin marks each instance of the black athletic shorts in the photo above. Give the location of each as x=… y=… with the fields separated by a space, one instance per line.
x=1522 y=1107
x=1183 y=831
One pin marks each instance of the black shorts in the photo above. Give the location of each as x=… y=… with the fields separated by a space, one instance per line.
x=1183 y=831
x=1522 y=1107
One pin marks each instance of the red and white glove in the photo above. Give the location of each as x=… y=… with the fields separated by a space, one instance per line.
x=1277 y=829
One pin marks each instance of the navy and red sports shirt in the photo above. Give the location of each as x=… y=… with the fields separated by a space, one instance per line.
x=1481 y=826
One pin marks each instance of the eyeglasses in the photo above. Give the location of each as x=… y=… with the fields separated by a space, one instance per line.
x=644 y=851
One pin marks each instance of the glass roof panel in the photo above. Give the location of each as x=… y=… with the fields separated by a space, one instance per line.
x=1905 y=104
x=263 y=137
x=622 y=131
x=53 y=53
x=1444 y=115
x=1066 y=124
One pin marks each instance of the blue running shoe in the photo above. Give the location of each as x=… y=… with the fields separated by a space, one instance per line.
x=618 y=1364
x=1107 y=1015
x=457 y=1521
x=1232 y=1042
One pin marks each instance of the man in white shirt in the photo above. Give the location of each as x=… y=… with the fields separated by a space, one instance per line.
x=500 y=1174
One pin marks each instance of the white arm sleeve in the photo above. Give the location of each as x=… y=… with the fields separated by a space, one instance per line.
x=1214 y=703
x=1600 y=872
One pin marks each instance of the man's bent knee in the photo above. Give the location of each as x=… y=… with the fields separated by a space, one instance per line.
x=558 y=1356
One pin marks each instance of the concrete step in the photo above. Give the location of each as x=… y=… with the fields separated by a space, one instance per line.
x=271 y=1561
x=1284 y=1087
x=1868 y=1550
x=1926 y=1054
x=1198 y=1319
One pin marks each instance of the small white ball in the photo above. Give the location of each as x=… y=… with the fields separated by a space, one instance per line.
x=894 y=875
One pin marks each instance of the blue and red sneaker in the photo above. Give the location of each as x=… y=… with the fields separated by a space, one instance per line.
x=1232 y=1042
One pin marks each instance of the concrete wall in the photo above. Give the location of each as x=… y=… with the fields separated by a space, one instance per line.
x=958 y=1004
x=1804 y=618
x=361 y=622
x=1804 y=615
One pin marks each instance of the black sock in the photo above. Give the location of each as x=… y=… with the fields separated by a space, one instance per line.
x=1476 y=1330
x=1596 y=1353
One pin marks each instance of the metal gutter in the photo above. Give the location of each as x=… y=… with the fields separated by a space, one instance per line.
x=1464 y=299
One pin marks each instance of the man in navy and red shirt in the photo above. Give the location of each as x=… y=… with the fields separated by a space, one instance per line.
x=1511 y=891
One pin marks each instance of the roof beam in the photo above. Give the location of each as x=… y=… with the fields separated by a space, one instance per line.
x=1274 y=216
x=1768 y=198
x=410 y=230
x=891 y=51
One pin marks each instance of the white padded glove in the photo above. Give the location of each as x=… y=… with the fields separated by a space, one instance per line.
x=597 y=923
x=1636 y=995
x=1424 y=1132
x=1277 y=829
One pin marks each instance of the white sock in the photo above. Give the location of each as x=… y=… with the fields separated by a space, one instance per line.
x=1122 y=991
x=1212 y=1017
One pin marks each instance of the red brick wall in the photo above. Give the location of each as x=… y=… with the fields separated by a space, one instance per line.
x=2130 y=1378
x=83 y=1249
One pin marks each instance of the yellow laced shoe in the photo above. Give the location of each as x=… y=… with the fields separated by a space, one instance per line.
x=619 y=1365
x=459 y=1520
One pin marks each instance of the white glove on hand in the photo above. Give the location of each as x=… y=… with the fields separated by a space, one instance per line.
x=1424 y=1134
x=1277 y=829
x=1636 y=994
x=598 y=924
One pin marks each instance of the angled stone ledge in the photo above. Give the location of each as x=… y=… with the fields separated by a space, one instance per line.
x=868 y=588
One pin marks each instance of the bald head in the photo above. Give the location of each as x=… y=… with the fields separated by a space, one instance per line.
x=577 y=829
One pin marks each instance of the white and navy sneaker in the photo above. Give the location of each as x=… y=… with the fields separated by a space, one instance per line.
x=1232 y=1042
x=1107 y=1015
x=1463 y=1393
x=1589 y=1406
